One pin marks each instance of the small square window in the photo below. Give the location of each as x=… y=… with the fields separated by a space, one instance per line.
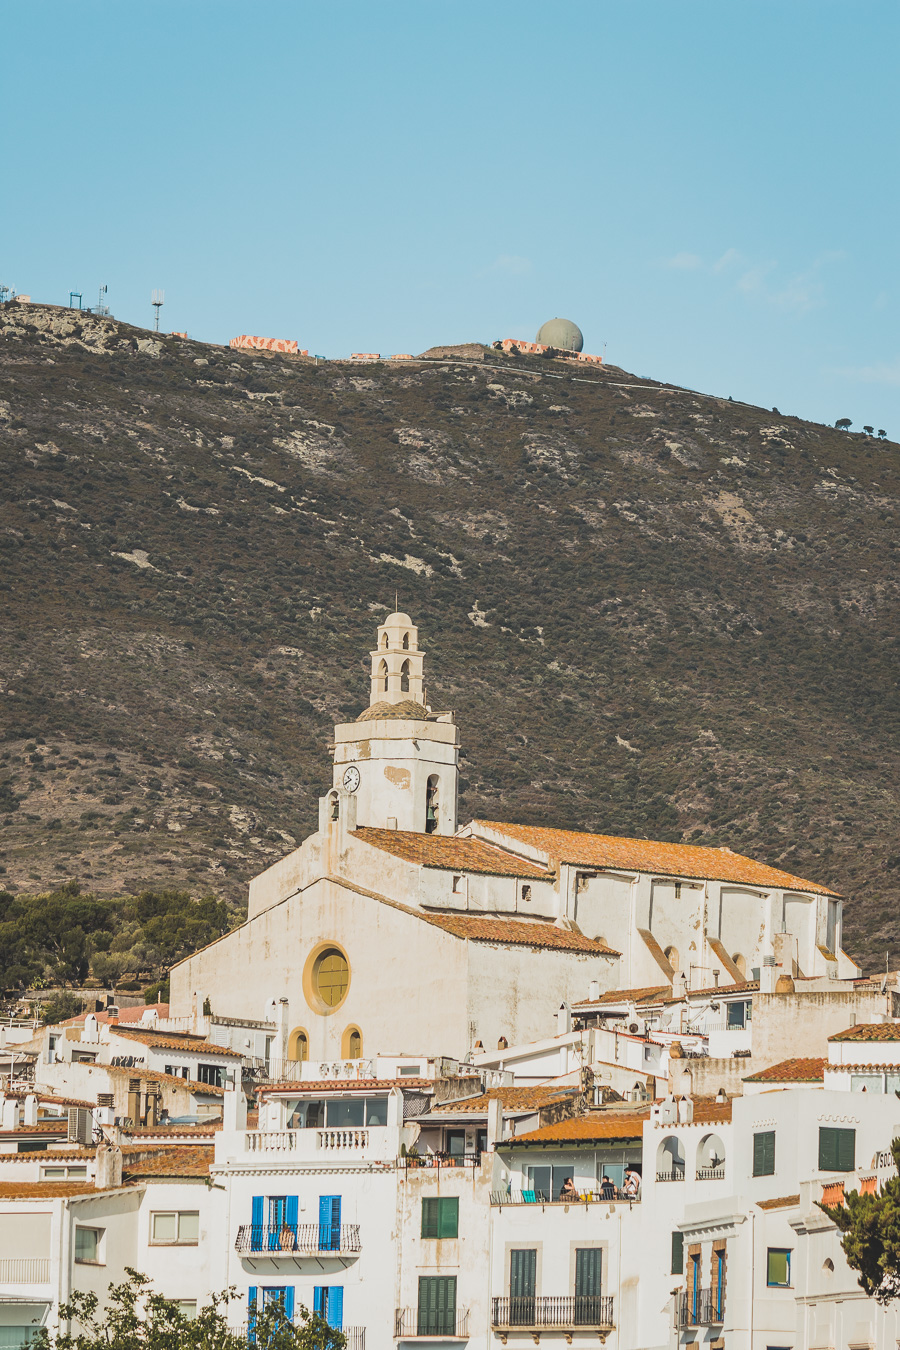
x=457 y=885
x=526 y=893
x=87 y=1245
x=176 y=1227
x=187 y=1307
x=778 y=1268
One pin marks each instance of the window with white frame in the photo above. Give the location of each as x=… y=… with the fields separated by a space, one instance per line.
x=89 y=1246
x=179 y=1228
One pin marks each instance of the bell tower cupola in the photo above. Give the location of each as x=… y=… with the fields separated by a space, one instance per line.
x=399 y=759
x=397 y=663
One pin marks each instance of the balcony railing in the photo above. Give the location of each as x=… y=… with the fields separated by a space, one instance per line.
x=291 y=1239
x=288 y=1141
x=677 y=1174
x=355 y=1336
x=441 y=1160
x=699 y=1308
x=417 y=1323
x=593 y=1311
x=538 y=1198
x=24 y=1270
x=711 y=1173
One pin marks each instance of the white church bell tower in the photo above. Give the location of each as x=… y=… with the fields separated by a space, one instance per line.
x=399 y=759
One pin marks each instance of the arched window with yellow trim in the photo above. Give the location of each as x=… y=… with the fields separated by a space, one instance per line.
x=298 y=1045
x=351 y=1043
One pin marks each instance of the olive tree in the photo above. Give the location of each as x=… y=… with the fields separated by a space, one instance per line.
x=870 y=1225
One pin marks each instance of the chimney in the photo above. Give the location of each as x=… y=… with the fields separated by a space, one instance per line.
x=679 y=986
x=234 y=1109
x=494 y=1122
x=685 y=1110
x=282 y=1022
x=768 y=975
x=108 y=1166
x=594 y=990
x=563 y=1020
x=11 y=1114
x=31 y=1110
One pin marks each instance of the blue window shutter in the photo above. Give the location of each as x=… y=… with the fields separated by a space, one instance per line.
x=289 y=1302
x=251 y=1295
x=319 y=1300
x=257 y=1215
x=336 y=1306
x=291 y=1210
x=330 y=1223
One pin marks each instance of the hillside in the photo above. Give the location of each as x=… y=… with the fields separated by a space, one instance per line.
x=654 y=612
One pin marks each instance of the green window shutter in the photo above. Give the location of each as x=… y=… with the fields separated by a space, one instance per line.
x=678 y=1253
x=764 y=1153
x=448 y=1217
x=430 y=1217
x=587 y=1272
x=437 y=1305
x=846 y=1150
x=827 y=1149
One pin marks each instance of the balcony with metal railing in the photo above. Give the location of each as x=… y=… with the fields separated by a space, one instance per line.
x=419 y=1324
x=711 y=1173
x=293 y=1239
x=699 y=1308
x=596 y=1197
x=569 y=1312
x=354 y=1336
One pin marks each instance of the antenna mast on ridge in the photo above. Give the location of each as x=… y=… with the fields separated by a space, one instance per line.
x=157 y=300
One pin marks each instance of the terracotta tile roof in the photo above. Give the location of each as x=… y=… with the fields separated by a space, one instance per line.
x=518 y=933
x=860 y=1068
x=45 y=1190
x=50 y=1155
x=47 y=1099
x=189 y=1160
x=139 y=1071
x=43 y=1127
x=167 y=1040
x=648 y=994
x=791 y=1071
x=782 y=1202
x=160 y=1131
x=595 y=1125
x=343 y=1085
x=872 y=1031
x=451 y=854
x=744 y=987
x=513 y=1098
x=707 y=1110
x=645 y=855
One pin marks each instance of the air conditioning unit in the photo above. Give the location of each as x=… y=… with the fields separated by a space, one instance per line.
x=81 y=1126
x=637 y=1027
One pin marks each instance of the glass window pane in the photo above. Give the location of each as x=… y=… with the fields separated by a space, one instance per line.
x=866 y=1082
x=86 y=1244
x=778 y=1266
x=376 y=1110
x=892 y=1082
x=54 y=1173
x=187 y=1307
x=165 y=1227
x=341 y=1114
x=189 y=1226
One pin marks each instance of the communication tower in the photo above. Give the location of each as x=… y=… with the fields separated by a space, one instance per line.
x=102 y=308
x=157 y=300
x=74 y=295
x=5 y=293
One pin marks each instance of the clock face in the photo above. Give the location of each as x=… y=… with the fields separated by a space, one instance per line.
x=351 y=778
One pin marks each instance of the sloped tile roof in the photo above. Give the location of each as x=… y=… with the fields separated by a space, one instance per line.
x=791 y=1071
x=744 y=987
x=160 y=1131
x=519 y=933
x=513 y=1099
x=649 y=994
x=782 y=1202
x=645 y=855
x=140 y=1071
x=162 y=1040
x=47 y=1190
x=451 y=854
x=593 y=1126
x=43 y=1127
x=707 y=1111
x=871 y=1031
x=129 y=1015
x=173 y=1160
x=342 y=1085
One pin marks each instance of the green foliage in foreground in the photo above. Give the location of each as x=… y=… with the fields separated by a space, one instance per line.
x=136 y=1318
x=871 y=1235
x=62 y=936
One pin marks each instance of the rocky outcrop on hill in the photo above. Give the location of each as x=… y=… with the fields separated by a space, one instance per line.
x=655 y=612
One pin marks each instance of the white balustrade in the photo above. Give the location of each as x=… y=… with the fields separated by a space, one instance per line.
x=24 y=1270
x=271 y=1141
x=350 y=1138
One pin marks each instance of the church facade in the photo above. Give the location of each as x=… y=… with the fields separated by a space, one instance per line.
x=393 y=929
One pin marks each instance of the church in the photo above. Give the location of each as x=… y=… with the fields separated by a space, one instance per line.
x=393 y=929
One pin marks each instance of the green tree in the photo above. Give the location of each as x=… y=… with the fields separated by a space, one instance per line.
x=136 y=1318
x=871 y=1235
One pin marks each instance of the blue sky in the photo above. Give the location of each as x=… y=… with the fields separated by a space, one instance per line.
x=709 y=189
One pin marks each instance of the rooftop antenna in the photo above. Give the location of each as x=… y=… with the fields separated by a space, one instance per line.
x=157 y=300
x=74 y=295
x=5 y=292
x=101 y=307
